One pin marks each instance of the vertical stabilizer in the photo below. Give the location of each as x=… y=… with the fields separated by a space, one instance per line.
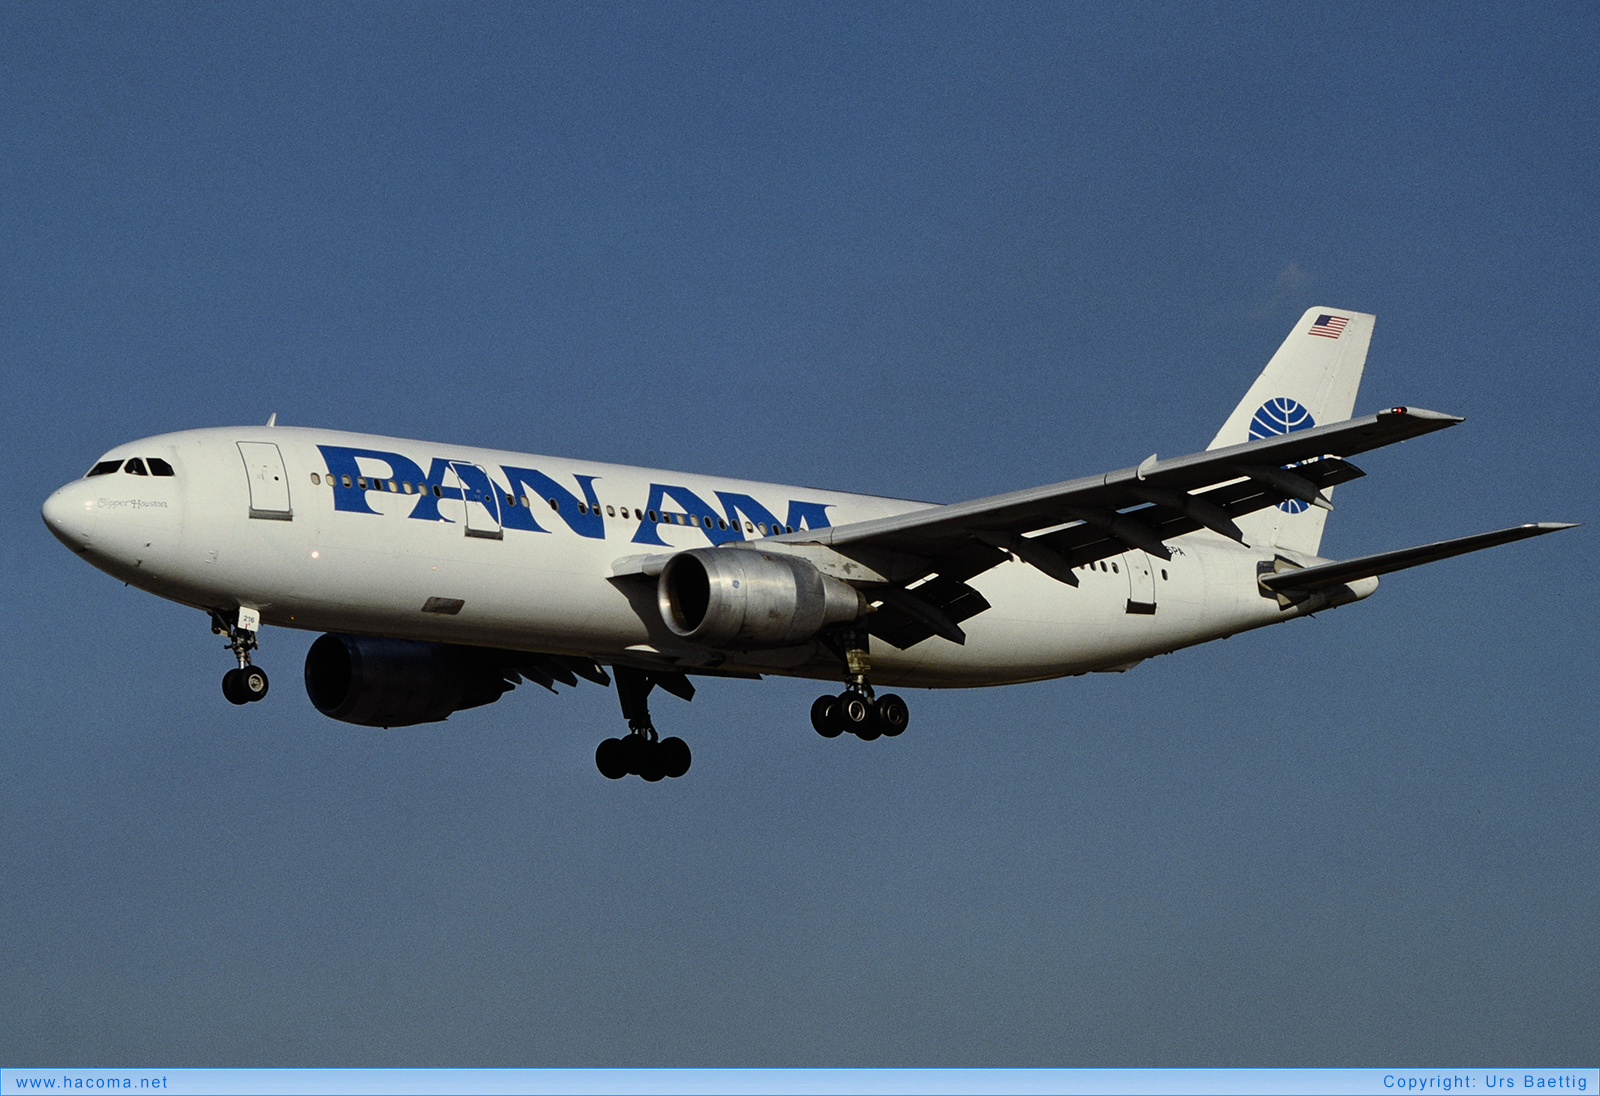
x=1310 y=381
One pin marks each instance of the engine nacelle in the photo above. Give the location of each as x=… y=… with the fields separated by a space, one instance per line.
x=743 y=598
x=398 y=682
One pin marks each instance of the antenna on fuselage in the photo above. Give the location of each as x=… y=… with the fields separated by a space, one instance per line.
x=272 y=419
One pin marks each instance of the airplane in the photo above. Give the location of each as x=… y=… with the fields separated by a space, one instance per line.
x=445 y=575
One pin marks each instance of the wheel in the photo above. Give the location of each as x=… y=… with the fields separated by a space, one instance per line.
x=254 y=682
x=651 y=767
x=609 y=759
x=632 y=752
x=674 y=757
x=854 y=713
x=892 y=713
x=233 y=687
x=823 y=717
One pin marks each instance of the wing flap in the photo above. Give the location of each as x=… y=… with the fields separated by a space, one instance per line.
x=906 y=617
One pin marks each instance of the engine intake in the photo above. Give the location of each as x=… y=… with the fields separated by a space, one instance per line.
x=398 y=682
x=744 y=599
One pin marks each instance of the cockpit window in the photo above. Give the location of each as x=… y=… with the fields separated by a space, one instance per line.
x=159 y=467
x=104 y=468
x=135 y=467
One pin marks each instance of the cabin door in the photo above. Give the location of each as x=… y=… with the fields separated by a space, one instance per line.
x=480 y=500
x=269 y=483
x=1141 y=582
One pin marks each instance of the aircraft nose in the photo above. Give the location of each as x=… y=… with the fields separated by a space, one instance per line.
x=69 y=514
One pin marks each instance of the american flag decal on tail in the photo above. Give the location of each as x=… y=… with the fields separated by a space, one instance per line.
x=1328 y=326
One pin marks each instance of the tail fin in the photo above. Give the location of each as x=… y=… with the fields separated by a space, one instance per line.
x=1310 y=381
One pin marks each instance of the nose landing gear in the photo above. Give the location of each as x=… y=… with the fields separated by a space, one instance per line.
x=857 y=709
x=246 y=683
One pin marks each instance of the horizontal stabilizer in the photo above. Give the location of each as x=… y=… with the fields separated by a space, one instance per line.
x=1348 y=570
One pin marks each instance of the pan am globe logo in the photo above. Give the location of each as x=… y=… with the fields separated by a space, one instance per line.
x=1282 y=416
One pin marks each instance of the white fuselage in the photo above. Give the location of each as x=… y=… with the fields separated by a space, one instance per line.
x=231 y=529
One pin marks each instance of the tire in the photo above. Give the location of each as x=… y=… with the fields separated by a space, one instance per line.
x=675 y=757
x=609 y=759
x=632 y=750
x=253 y=682
x=651 y=765
x=892 y=714
x=854 y=713
x=233 y=687
x=824 y=718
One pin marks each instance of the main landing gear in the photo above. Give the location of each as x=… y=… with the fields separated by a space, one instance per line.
x=642 y=752
x=247 y=683
x=857 y=709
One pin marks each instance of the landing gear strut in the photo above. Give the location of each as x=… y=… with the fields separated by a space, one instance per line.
x=642 y=752
x=857 y=709
x=247 y=683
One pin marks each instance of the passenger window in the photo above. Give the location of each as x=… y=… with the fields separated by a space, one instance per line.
x=346 y=480
x=583 y=507
x=788 y=528
x=611 y=512
x=361 y=482
x=749 y=528
x=523 y=499
x=159 y=467
x=105 y=467
x=316 y=480
x=1114 y=569
x=554 y=505
x=135 y=467
x=438 y=492
x=1163 y=574
x=405 y=485
x=721 y=524
x=762 y=526
x=652 y=515
x=393 y=486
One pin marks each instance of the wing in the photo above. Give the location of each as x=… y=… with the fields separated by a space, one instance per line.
x=931 y=553
x=1348 y=570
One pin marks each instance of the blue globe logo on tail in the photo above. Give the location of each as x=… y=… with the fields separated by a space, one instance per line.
x=1282 y=416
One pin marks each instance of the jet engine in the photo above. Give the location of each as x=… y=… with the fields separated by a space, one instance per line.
x=744 y=599
x=398 y=682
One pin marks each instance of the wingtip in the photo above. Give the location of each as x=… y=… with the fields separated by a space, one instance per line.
x=1424 y=413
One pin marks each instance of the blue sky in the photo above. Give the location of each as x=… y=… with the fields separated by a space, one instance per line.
x=930 y=251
